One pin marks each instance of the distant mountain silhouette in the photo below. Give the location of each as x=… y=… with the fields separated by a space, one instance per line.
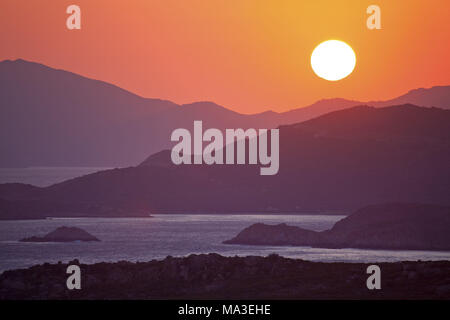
x=51 y=117
x=316 y=109
x=343 y=160
x=405 y=123
x=438 y=96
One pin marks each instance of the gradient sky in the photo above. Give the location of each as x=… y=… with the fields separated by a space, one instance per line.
x=248 y=55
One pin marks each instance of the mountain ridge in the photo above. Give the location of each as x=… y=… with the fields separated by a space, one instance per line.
x=319 y=172
x=69 y=120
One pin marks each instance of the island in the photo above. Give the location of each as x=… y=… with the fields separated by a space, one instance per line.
x=63 y=234
x=388 y=226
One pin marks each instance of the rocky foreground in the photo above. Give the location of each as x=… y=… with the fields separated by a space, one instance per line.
x=213 y=276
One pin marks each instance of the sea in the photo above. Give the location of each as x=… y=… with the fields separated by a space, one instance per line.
x=162 y=235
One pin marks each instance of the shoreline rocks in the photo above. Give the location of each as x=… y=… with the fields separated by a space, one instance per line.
x=212 y=276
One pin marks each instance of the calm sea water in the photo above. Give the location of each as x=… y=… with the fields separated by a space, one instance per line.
x=143 y=239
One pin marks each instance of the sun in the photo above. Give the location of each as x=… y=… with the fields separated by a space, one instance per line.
x=333 y=60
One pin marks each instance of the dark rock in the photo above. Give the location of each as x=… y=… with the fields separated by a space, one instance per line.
x=390 y=226
x=217 y=277
x=443 y=289
x=281 y=234
x=63 y=234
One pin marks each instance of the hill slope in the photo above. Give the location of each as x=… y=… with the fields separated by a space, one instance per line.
x=52 y=117
x=390 y=226
x=365 y=156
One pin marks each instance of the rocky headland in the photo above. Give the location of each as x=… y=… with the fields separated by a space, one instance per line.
x=390 y=226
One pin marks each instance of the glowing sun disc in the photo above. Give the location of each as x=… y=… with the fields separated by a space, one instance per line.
x=333 y=60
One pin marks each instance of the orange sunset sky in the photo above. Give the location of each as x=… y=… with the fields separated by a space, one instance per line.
x=247 y=55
